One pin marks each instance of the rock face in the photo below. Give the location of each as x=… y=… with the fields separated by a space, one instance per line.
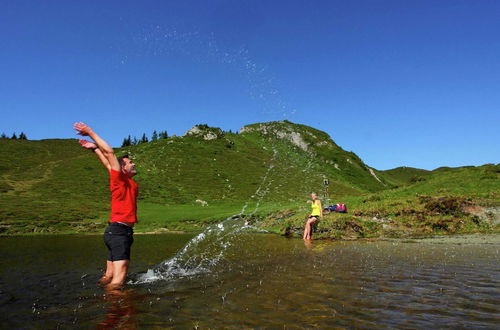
x=205 y=132
x=487 y=214
x=374 y=175
x=321 y=147
x=293 y=137
x=201 y=202
x=282 y=130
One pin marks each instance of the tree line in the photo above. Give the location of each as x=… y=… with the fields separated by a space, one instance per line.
x=129 y=141
x=21 y=136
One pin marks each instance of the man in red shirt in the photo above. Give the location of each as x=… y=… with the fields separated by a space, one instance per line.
x=119 y=235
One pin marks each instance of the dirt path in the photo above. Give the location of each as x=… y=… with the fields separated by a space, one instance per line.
x=23 y=186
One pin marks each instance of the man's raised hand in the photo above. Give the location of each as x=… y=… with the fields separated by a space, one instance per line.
x=82 y=128
x=87 y=144
x=102 y=148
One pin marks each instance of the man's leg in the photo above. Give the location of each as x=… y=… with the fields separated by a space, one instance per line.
x=120 y=243
x=108 y=275
x=120 y=269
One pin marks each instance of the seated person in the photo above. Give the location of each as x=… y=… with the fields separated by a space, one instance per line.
x=316 y=213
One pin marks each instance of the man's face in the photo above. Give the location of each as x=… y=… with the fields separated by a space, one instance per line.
x=128 y=167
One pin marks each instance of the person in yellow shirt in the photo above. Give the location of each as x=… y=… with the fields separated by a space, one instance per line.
x=316 y=214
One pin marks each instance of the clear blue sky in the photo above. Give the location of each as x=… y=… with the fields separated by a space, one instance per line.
x=413 y=83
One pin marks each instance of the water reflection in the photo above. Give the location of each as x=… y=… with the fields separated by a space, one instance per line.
x=308 y=243
x=120 y=310
x=263 y=281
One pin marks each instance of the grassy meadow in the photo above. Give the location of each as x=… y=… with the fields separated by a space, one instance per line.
x=445 y=201
x=54 y=186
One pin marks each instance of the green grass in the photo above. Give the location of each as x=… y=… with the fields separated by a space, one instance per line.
x=436 y=206
x=194 y=217
x=152 y=218
x=50 y=180
x=405 y=175
x=56 y=186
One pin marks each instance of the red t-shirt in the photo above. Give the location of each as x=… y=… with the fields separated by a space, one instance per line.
x=123 y=197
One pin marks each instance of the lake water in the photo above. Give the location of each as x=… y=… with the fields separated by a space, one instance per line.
x=262 y=281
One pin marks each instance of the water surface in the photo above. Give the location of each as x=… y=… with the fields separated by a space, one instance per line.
x=262 y=281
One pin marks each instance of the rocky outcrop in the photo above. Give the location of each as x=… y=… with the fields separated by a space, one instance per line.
x=374 y=175
x=293 y=137
x=201 y=202
x=280 y=129
x=205 y=132
x=487 y=214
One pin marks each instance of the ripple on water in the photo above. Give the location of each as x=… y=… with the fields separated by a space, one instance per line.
x=267 y=281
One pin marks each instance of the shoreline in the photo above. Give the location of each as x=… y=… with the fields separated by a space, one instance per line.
x=411 y=224
x=462 y=238
x=160 y=232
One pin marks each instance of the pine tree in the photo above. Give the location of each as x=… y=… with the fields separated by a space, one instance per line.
x=155 y=136
x=134 y=141
x=22 y=136
x=126 y=142
x=144 y=138
x=163 y=135
x=3 y=136
x=14 y=136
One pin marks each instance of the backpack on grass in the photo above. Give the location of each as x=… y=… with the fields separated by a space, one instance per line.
x=341 y=208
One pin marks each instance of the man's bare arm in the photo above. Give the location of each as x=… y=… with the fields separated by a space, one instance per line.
x=92 y=146
x=106 y=151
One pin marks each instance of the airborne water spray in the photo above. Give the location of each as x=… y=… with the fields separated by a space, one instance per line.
x=207 y=249
x=162 y=42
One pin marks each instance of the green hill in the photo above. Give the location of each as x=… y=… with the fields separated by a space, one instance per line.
x=405 y=175
x=56 y=186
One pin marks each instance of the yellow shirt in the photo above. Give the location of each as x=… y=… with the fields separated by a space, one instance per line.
x=315 y=209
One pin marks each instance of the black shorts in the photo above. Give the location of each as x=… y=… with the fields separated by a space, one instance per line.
x=118 y=239
x=314 y=225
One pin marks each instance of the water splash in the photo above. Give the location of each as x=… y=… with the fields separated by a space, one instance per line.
x=263 y=188
x=160 y=41
x=207 y=249
x=200 y=254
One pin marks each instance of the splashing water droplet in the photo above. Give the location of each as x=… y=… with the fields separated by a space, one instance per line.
x=207 y=249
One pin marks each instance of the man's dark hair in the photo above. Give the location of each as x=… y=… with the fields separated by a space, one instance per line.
x=121 y=158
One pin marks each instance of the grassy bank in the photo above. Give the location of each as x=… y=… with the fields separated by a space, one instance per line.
x=428 y=217
x=375 y=216
x=152 y=218
x=450 y=201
